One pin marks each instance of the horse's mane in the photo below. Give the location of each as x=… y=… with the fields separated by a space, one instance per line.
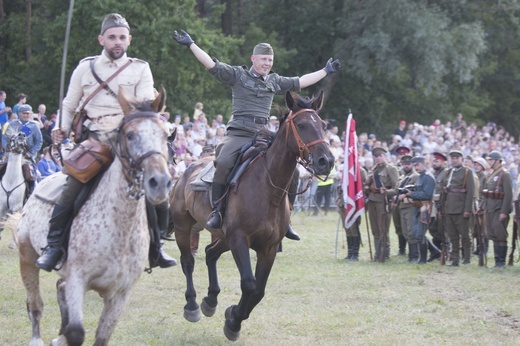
x=301 y=102
x=142 y=106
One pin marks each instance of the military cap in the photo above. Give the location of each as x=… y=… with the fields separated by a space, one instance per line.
x=481 y=162
x=439 y=156
x=495 y=155
x=113 y=20
x=403 y=150
x=25 y=108
x=406 y=159
x=456 y=153
x=263 y=49
x=378 y=150
x=418 y=159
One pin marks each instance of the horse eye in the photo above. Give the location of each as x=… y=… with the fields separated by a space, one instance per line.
x=130 y=136
x=301 y=126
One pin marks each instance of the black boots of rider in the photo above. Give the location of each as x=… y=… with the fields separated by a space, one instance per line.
x=353 y=248
x=500 y=256
x=423 y=253
x=55 y=239
x=402 y=245
x=217 y=215
x=157 y=256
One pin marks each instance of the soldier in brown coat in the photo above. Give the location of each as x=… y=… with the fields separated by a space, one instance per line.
x=498 y=196
x=382 y=184
x=459 y=187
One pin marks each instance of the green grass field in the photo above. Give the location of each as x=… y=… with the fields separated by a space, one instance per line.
x=312 y=298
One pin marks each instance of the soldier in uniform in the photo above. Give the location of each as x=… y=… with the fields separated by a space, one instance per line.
x=104 y=115
x=481 y=166
x=438 y=235
x=498 y=197
x=253 y=92
x=401 y=152
x=352 y=232
x=404 y=206
x=459 y=187
x=382 y=184
x=422 y=196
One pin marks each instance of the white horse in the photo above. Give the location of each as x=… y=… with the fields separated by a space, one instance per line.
x=109 y=238
x=12 y=185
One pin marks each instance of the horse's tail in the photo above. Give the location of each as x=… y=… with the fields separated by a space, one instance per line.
x=12 y=224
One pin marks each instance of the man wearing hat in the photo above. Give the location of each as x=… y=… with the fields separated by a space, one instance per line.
x=382 y=184
x=253 y=93
x=459 y=187
x=404 y=212
x=480 y=165
x=104 y=115
x=400 y=152
x=34 y=141
x=498 y=197
x=422 y=196
x=439 y=236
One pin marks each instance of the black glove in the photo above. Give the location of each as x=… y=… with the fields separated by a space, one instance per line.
x=184 y=38
x=331 y=66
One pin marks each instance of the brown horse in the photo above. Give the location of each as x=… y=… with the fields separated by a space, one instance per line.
x=257 y=211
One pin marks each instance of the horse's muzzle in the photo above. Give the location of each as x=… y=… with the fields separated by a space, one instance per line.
x=157 y=187
x=323 y=164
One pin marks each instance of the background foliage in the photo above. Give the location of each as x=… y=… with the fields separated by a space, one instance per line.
x=417 y=60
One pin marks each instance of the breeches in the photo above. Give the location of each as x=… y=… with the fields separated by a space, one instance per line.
x=419 y=228
x=227 y=153
x=407 y=217
x=70 y=192
x=458 y=231
x=352 y=231
x=496 y=230
x=396 y=217
x=378 y=222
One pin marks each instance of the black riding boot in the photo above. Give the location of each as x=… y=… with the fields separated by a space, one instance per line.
x=402 y=245
x=500 y=258
x=355 y=249
x=57 y=228
x=423 y=252
x=217 y=215
x=157 y=256
x=349 y=246
x=413 y=252
x=291 y=234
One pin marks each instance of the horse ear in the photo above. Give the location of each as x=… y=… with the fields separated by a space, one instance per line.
x=123 y=102
x=289 y=100
x=160 y=101
x=318 y=102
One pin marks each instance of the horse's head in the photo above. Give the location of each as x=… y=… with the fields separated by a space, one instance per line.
x=142 y=148
x=17 y=143
x=304 y=132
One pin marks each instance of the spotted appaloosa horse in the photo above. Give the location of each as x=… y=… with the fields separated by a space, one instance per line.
x=257 y=213
x=12 y=185
x=109 y=238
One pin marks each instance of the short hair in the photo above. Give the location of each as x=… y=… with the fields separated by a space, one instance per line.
x=21 y=96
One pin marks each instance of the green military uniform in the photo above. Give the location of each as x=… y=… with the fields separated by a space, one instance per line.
x=438 y=235
x=384 y=176
x=352 y=232
x=498 y=197
x=459 y=187
x=396 y=216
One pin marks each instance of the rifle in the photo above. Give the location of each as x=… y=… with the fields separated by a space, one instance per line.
x=382 y=228
x=440 y=225
x=368 y=234
x=479 y=225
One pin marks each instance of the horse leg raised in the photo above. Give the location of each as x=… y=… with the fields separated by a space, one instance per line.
x=213 y=253
x=183 y=240
x=235 y=314
x=114 y=306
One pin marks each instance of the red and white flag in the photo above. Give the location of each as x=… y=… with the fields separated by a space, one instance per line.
x=351 y=181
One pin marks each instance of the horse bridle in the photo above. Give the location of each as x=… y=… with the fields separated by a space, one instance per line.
x=302 y=146
x=132 y=169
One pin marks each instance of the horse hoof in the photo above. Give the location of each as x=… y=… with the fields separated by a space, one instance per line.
x=36 y=342
x=207 y=310
x=59 y=341
x=192 y=315
x=229 y=312
x=231 y=335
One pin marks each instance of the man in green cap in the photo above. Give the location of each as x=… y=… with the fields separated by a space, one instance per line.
x=498 y=197
x=253 y=93
x=382 y=184
x=459 y=187
x=405 y=209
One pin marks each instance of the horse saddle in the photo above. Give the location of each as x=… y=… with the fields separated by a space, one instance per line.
x=248 y=153
x=53 y=188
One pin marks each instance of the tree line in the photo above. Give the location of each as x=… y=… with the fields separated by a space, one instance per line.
x=417 y=60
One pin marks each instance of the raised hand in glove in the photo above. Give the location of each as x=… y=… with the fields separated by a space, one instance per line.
x=183 y=38
x=332 y=66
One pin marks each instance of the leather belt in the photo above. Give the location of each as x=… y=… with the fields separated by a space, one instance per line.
x=252 y=118
x=454 y=190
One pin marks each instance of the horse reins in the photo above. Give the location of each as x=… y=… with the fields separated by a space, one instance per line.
x=133 y=171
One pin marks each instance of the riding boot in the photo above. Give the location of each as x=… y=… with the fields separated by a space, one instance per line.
x=500 y=259
x=466 y=250
x=402 y=245
x=158 y=256
x=55 y=238
x=291 y=234
x=349 y=245
x=423 y=252
x=355 y=249
x=217 y=215
x=413 y=255
x=30 y=188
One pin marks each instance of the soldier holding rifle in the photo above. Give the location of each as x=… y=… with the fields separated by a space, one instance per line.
x=436 y=227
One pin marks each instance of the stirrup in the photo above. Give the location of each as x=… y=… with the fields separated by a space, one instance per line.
x=49 y=260
x=215 y=220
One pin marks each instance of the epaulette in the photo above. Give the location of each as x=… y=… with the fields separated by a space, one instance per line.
x=88 y=58
x=137 y=60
